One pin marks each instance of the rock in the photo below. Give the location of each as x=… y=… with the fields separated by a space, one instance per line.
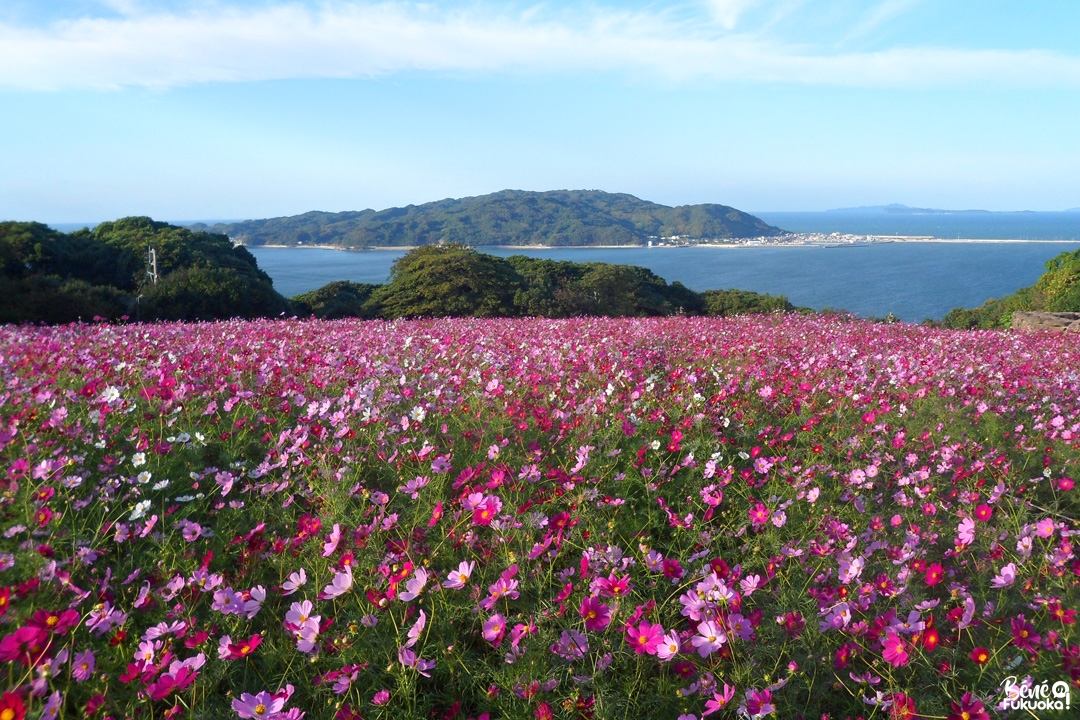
x=1052 y=321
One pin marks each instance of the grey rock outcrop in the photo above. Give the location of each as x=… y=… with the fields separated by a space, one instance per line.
x=1052 y=321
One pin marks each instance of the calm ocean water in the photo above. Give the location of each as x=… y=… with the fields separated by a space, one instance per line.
x=997 y=225
x=913 y=281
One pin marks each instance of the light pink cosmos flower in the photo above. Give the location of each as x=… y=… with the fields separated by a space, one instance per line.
x=749 y=584
x=409 y=659
x=1005 y=578
x=668 y=647
x=965 y=532
x=228 y=602
x=340 y=585
x=458 y=578
x=332 y=541
x=709 y=639
x=253 y=601
x=572 y=645
x=263 y=706
x=300 y=612
x=417 y=629
x=295 y=582
x=415 y=585
x=1044 y=528
x=503 y=587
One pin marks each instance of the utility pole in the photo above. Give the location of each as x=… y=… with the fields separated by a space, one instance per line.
x=153 y=266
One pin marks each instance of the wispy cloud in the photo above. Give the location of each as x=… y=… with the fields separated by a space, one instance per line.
x=727 y=12
x=880 y=14
x=351 y=40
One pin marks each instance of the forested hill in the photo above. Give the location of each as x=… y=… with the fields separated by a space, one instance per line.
x=510 y=217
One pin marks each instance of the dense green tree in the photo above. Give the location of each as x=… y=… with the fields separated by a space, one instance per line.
x=52 y=299
x=340 y=299
x=743 y=302
x=210 y=293
x=448 y=281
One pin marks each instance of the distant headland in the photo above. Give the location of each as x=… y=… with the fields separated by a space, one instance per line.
x=559 y=218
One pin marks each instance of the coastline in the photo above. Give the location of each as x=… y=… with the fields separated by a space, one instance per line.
x=728 y=245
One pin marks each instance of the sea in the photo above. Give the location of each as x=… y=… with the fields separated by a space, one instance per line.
x=913 y=281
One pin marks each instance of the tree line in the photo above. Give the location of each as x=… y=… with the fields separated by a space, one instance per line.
x=54 y=277
x=1057 y=290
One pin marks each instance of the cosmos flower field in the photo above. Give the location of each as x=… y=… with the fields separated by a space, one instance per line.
x=677 y=518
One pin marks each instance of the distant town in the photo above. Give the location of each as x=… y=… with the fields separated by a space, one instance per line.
x=786 y=239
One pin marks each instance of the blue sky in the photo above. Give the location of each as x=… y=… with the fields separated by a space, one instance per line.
x=230 y=109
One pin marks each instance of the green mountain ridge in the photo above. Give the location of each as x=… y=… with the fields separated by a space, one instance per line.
x=510 y=217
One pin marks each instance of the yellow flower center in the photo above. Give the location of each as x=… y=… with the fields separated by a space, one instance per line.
x=7 y=714
x=260 y=709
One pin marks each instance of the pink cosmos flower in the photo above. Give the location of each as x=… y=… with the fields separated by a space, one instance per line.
x=253 y=601
x=228 y=602
x=495 y=629
x=83 y=666
x=612 y=586
x=486 y=511
x=645 y=638
x=719 y=700
x=759 y=703
x=759 y=515
x=969 y=708
x=572 y=645
x=1044 y=528
x=240 y=650
x=741 y=626
x=895 y=650
x=1024 y=635
x=381 y=698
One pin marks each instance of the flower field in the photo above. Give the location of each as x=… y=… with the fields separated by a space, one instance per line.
x=676 y=518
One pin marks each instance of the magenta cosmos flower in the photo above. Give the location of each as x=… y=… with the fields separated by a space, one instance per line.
x=596 y=614
x=895 y=650
x=645 y=638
